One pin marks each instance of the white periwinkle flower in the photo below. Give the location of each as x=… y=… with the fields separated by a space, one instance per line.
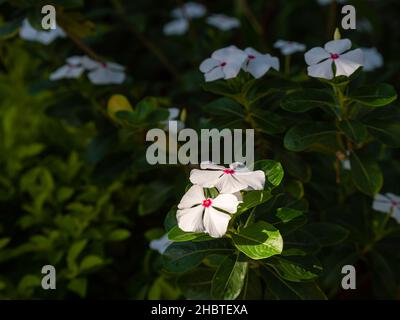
x=105 y=72
x=196 y=213
x=389 y=203
x=224 y=63
x=258 y=64
x=176 y=27
x=320 y=59
x=289 y=47
x=160 y=244
x=71 y=70
x=372 y=59
x=27 y=32
x=189 y=10
x=227 y=180
x=223 y=22
x=326 y=2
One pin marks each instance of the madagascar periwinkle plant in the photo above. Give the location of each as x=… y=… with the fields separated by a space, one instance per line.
x=78 y=192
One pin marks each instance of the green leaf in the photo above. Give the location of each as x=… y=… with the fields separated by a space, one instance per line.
x=229 y=278
x=312 y=135
x=184 y=256
x=4 y=242
x=74 y=252
x=273 y=172
x=196 y=284
x=375 y=95
x=79 y=286
x=259 y=241
x=387 y=132
x=304 y=100
x=90 y=262
x=178 y=235
x=295 y=188
x=268 y=122
x=9 y=29
x=301 y=240
x=224 y=107
x=354 y=130
x=366 y=174
x=328 y=234
x=289 y=220
x=295 y=268
x=220 y=87
x=254 y=198
x=119 y=235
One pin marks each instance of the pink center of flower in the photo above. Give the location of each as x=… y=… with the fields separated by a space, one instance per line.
x=334 y=56
x=223 y=64
x=104 y=65
x=207 y=203
x=251 y=57
x=229 y=171
x=394 y=203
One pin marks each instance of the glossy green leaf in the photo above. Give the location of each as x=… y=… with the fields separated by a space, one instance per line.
x=375 y=95
x=354 y=130
x=307 y=99
x=366 y=174
x=178 y=235
x=328 y=234
x=273 y=170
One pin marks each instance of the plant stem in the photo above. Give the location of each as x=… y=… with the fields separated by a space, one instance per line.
x=287 y=64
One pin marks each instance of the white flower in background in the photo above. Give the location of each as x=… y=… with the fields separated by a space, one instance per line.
x=176 y=27
x=173 y=116
x=224 y=64
x=389 y=203
x=326 y=2
x=227 y=180
x=223 y=22
x=196 y=213
x=160 y=244
x=320 y=59
x=258 y=64
x=372 y=59
x=189 y=10
x=105 y=72
x=72 y=70
x=289 y=47
x=27 y=32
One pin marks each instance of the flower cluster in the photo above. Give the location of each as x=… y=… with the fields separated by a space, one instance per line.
x=192 y=10
x=198 y=212
x=226 y=63
x=99 y=72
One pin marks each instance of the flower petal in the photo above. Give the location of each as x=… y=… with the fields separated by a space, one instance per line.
x=176 y=27
x=228 y=184
x=209 y=64
x=226 y=202
x=194 y=196
x=253 y=179
x=211 y=165
x=316 y=55
x=321 y=70
x=191 y=219
x=215 y=222
x=349 y=62
x=338 y=46
x=230 y=54
x=160 y=244
x=205 y=178
x=381 y=203
x=66 y=72
x=104 y=75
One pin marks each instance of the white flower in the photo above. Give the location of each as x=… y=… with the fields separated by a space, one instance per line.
x=224 y=64
x=223 y=22
x=258 y=64
x=73 y=69
x=372 y=59
x=160 y=244
x=289 y=47
x=227 y=180
x=27 y=32
x=320 y=59
x=189 y=10
x=326 y=2
x=105 y=73
x=388 y=203
x=196 y=213
x=176 y=27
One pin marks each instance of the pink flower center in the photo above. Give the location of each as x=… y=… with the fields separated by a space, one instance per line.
x=223 y=64
x=394 y=203
x=251 y=57
x=229 y=171
x=104 y=65
x=207 y=203
x=334 y=56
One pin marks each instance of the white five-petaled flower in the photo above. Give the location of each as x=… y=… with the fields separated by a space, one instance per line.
x=389 y=203
x=372 y=59
x=224 y=63
x=106 y=73
x=160 y=244
x=189 y=10
x=71 y=70
x=320 y=60
x=326 y=2
x=289 y=47
x=258 y=64
x=223 y=22
x=196 y=213
x=27 y=32
x=227 y=180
